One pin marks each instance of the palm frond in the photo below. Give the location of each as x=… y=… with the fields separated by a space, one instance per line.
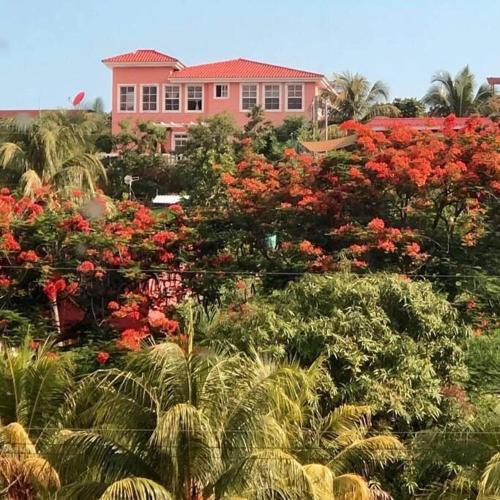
x=267 y=474
x=490 y=481
x=135 y=488
x=350 y=487
x=365 y=453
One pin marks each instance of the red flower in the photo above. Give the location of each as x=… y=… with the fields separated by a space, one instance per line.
x=53 y=287
x=412 y=250
x=156 y=318
x=113 y=306
x=386 y=246
x=102 y=357
x=358 y=249
x=76 y=223
x=85 y=267
x=4 y=281
x=289 y=153
x=131 y=339
x=376 y=224
x=171 y=325
x=34 y=344
x=360 y=264
x=308 y=248
x=471 y=304
x=28 y=256
x=176 y=208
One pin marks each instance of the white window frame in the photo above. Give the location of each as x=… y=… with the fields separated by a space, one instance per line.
x=119 y=93
x=243 y=84
x=303 y=97
x=202 y=85
x=157 y=85
x=174 y=135
x=164 y=107
x=215 y=91
x=279 y=85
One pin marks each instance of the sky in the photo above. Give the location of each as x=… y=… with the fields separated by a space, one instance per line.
x=51 y=49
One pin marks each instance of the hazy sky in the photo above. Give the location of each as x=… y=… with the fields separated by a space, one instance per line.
x=50 y=49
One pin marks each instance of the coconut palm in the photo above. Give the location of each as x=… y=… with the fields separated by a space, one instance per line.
x=23 y=472
x=189 y=426
x=456 y=95
x=355 y=98
x=51 y=151
x=343 y=443
x=467 y=462
x=33 y=385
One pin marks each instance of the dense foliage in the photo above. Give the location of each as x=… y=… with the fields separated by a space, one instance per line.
x=270 y=337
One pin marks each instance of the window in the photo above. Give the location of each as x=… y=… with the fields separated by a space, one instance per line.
x=150 y=98
x=271 y=97
x=127 y=98
x=248 y=96
x=195 y=98
x=172 y=98
x=221 y=91
x=180 y=141
x=294 y=93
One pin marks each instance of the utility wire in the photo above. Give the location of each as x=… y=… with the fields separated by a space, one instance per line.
x=156 y=270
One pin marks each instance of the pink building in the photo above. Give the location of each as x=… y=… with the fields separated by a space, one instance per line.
x=149 y=85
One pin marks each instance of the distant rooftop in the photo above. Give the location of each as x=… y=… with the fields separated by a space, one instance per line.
x=431 y=123
x=493 y=80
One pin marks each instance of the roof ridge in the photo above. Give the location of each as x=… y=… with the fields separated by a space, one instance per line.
x=278 y=66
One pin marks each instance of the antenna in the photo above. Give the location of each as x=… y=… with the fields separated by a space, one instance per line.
x=129 y=180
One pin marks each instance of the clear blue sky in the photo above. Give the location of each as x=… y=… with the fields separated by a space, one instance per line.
x=50 y=49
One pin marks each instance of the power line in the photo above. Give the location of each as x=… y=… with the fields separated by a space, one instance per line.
x=157 y=270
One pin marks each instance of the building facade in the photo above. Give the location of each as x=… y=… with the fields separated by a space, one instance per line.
x=151 y=86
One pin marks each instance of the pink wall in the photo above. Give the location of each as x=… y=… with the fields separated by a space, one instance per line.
x=160 y=75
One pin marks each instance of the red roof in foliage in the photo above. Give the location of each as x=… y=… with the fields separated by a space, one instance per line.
x=12 y=113
x=493 y=80
x=141 y=56
x=242 y=68
x=433 y=123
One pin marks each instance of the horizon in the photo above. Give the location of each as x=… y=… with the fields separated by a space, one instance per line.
x=67 y=61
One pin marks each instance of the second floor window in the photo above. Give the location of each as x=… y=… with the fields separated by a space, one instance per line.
x=221 y=91
x=248 y=96
x=195 y=98
x=271 y=97
x=149 y=98
x=127 y=98
x=172 y=98
x=294 y=95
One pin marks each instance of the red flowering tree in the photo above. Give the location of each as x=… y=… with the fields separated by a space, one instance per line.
x=63 y=264
x=416 y=202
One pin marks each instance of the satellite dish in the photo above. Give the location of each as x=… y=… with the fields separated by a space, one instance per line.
x=128 y=180
x=78 y=98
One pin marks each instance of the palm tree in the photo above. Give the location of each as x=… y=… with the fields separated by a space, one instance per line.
x=33 y=385
x=467 y=462
x=23 y=472
x=354 y=98
x=456 y=95
x=341 y=441
x=51 y=151
x=187 y=426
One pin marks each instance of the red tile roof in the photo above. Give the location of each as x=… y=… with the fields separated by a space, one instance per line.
x=434 y=123
x=493 y=80
x=242 y=68
x=141 y=56
x=32 y=113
